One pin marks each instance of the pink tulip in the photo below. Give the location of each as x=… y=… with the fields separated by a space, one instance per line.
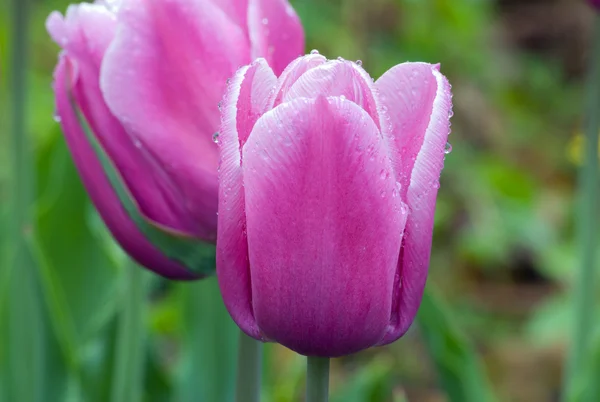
x=328 y=183
x=148 y=75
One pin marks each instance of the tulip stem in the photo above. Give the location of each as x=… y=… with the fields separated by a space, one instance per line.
x=588 y=222
x=130 y=351
x=317 y=379
x=249 y=369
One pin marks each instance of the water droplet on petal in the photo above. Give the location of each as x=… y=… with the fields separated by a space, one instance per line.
x=435 y=184
x=56 y=117
x=137 y=143
x=359 y=62
x=448 y=148
x=265 y=21
x=382 y=194
x=215 y=137
x=340 y=58
x=314 y=51
x=220 y=105
x=342 y=97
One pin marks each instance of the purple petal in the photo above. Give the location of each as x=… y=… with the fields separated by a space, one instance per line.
x=237 y=10
x=247 y=93
x=275 y=32
x=324 y=224
x=86 y=32
x=337 y=78
x=163 y=77
x=419 y=104
x=96 y=183
x=291 y=74
x=255 y=91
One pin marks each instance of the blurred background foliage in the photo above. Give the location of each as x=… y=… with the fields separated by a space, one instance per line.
x=504 y=254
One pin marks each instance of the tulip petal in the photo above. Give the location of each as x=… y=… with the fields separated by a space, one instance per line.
x=275 y=32
x=256 y=88
x=246 y=96
x=419 y=104
x=337 y=78
x=324 y=224
x=237 y=10
x=86 y=32
x=97 y=184
x=291 y=74
x=163 y=76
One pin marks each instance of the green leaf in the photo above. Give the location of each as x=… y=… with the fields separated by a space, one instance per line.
x=371 y=383
x=585 y=387
x=457 y=364
x=78 y=277
x=130 y=359
x=209 y=341
x=49 y=379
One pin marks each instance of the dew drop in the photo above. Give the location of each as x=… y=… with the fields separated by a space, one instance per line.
x=359 y=62
x=342 y=97
x=215 y=137
x=340 y=58
x=435 y=184
x=314 y=51
x=403 y=209
x=56 y=117
x=220 y=105
x=137 y=143
x=265 y=21
x=382 y=193
x=448 y=148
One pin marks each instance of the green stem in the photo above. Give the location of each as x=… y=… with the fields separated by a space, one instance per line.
x=317 y=379
x=588 y=212
x=130 y=351
x=25 y=334
x=206 y=324
x=249 y=369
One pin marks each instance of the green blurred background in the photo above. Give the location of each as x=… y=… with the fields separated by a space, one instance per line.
x=504 y=254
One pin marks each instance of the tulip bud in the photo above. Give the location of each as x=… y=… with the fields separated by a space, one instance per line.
x=328 y=183
x=137 y=87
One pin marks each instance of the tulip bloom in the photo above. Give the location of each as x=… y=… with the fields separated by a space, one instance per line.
x=147 y=75
x=328 y=183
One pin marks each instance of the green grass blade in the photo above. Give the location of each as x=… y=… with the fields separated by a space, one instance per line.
x=130 y=356
x=25 y=380
x=210 y=340
x=459 y=369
